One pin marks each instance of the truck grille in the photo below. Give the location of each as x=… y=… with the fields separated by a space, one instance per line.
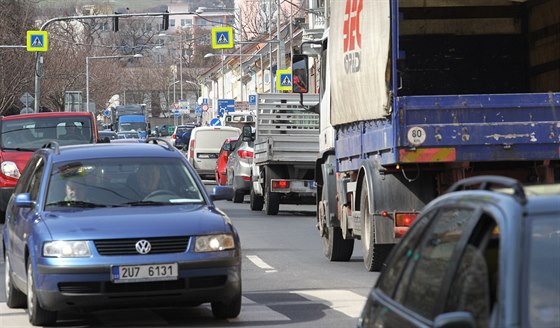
x=161 y=245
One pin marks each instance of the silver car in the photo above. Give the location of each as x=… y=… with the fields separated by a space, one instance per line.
x=238 y=169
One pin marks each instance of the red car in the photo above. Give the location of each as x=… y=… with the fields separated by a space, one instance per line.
x=221 y=163
x=21 y=135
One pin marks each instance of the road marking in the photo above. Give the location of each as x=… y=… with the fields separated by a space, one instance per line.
x=343 y=301
x=260 y=263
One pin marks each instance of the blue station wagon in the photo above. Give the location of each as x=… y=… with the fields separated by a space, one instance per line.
x=117 y=225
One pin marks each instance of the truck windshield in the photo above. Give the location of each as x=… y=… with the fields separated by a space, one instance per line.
x=132 y=126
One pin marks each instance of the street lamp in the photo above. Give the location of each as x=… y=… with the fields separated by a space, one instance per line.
x=102 y=57
x=241 y=67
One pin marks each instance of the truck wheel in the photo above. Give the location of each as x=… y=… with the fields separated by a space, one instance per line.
x=374 y=254
x=337 y=248
x=256 y=201
x=238 y=196
x=271 y=202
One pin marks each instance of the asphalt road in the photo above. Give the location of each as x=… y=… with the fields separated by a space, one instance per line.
x=287 y=282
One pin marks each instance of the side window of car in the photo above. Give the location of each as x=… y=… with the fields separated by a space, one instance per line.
x=402 y=254
x=430 y=261
x=474 y=282
x=35 y=183
x=24 y=180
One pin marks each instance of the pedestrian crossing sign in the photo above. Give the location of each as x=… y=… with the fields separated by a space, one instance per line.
x=284 y=80
x=222 y=37
x=37 y=41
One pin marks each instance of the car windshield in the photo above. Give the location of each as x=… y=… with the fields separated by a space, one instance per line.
x=543 y=270
x=33 y=133
x=122 y=182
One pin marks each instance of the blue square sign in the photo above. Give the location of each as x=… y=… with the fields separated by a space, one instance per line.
x=252 y=99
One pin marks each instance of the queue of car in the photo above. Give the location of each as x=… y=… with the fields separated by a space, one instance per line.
x=485 y=254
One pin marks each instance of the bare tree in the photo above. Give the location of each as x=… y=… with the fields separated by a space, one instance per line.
x=16 y=64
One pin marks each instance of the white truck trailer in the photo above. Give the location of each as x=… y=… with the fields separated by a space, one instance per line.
x=286 y=146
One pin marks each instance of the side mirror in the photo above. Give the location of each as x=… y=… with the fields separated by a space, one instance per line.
x=247 y=133
x=300 y=74
x=24 y=200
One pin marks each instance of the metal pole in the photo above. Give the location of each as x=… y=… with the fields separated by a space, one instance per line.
x=262 y=74
x=272 y=84
x=181 y=66
x=223 y=79
x=87 y=83
x=240 y=74
x=38 y=62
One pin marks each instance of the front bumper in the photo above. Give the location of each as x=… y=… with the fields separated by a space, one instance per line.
x=64 y=288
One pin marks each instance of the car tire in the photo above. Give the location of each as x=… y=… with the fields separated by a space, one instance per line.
x=227 y=310
x=256 y=201
x=15 y=298
x=37 y=315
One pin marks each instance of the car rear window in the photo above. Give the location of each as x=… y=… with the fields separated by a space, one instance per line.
x=33 y=133
x=214 y=138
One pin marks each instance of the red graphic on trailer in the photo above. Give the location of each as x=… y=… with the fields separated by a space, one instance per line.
x=352 y=35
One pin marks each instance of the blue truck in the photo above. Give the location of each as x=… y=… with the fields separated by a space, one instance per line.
x=416 y=95
x=131 y=117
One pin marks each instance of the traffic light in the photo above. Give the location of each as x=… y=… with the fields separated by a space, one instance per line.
x=116 y=22
x=165 y=25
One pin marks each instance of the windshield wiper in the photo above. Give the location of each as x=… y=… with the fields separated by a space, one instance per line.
x=20 y=149
x=76 y=203
x=145 y=203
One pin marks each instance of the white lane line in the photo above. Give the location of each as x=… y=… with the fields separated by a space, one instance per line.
x=343 y=301
x=260 y=263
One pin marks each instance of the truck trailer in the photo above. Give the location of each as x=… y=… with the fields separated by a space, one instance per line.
x=285 y=149
x=416 y=95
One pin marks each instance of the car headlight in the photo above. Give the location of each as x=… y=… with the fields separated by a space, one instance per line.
x=10 y=169
x=64 y=248
x=213 y=243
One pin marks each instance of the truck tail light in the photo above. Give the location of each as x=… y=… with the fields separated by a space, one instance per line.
x=280 y=184
x=173 y=136
x=245 y=153
x=405 y=219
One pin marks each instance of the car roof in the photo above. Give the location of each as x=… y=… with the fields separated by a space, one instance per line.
x=114 y=150
x=512 y=197
x=45 y=114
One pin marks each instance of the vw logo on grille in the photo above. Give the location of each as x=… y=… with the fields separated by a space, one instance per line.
x=143 y=246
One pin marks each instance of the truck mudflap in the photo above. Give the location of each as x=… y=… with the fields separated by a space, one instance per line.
x=293 y=186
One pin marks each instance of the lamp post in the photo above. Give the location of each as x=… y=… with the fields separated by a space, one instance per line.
x=241 y=70
x=102 y=57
